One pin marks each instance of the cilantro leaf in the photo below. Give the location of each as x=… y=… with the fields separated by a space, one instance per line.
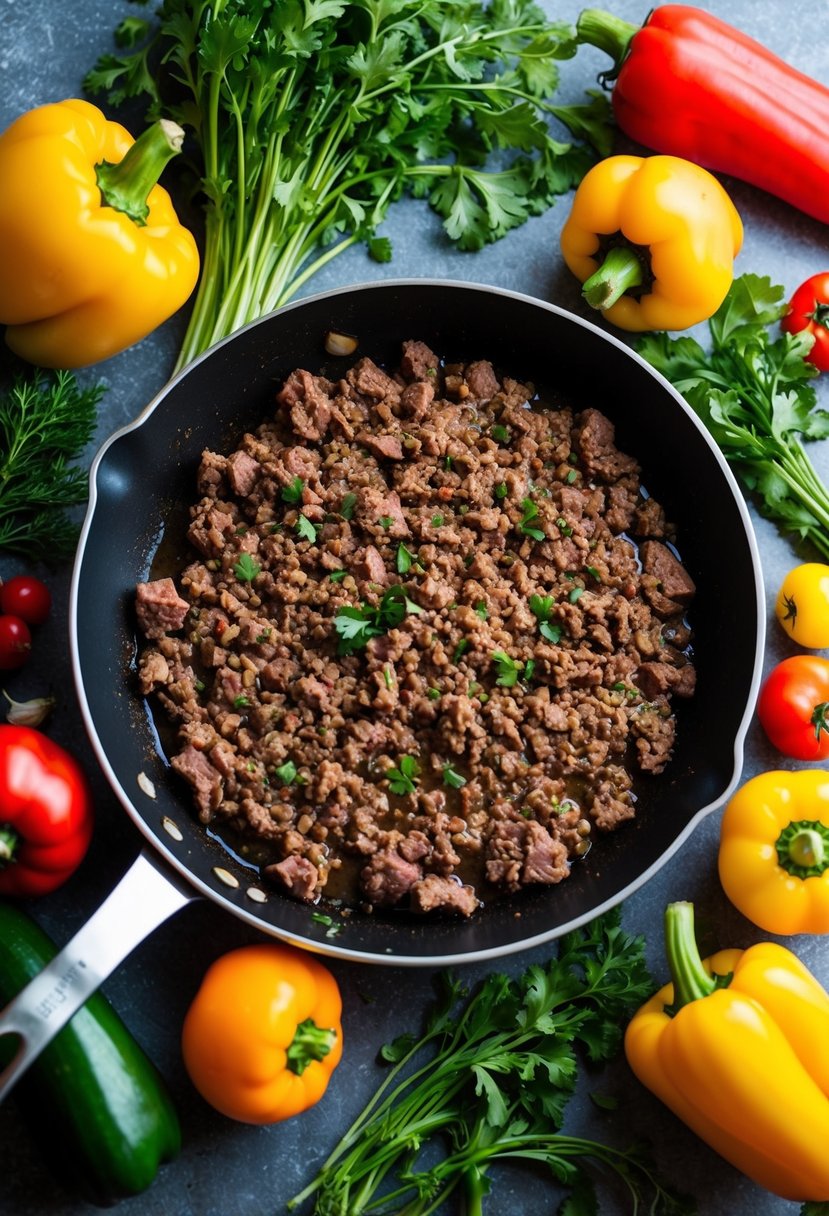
x=356 y=625
x=508 y=669
x=526 y=525
x=292 y=492
x=286 y=772
x=453 y=778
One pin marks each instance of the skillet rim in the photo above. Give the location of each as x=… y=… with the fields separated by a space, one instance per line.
x=329 y=947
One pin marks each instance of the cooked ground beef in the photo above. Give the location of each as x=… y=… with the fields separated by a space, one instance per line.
x=432 y=630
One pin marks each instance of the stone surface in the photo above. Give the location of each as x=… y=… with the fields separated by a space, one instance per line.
x=227 y=1169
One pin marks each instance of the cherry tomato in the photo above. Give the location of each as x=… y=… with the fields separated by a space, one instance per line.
x=26 y=597
x=809 y=310
x=794 y=707
x=15 y=642
x=803 y=605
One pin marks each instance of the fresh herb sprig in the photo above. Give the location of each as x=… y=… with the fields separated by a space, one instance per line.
x=541 y=607
x=312 y=116
x=357 y=624
x=403 y=777
x=489 y=1081
x=46 y=421
x=752 y=391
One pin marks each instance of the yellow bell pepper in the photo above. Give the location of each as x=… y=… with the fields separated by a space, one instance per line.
x=738 y=1048
x=262 y=1035
x=774 y=851
x=92 y=256
x=653 y=239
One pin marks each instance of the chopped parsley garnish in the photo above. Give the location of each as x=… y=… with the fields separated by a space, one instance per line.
x=264 y=635
x=452 y=778
x=387 y=676
x=293 y=491
x=571 y=477
x=575 y=594
x=501 y=490
x=385 y=522
x=404 y=559
x=437 y=521
x=528 y=670
x=306 y=529
x=337 y=576
x=501 y=434
x=563 y=527
x=356 y=624
x=447 y=462
x=526 y=524
x=460 y=649
x=403 y=778
x=347 y=506
x=286 y=772
x=246 y=569
x=508 y=669
x=241 y=701
x=481 y=610
x=541 y=607
x=433 y=694
x=594 y=573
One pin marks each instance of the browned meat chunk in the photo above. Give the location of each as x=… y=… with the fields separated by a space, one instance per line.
x=159 y=608
x=298 y=875
x=443 y=894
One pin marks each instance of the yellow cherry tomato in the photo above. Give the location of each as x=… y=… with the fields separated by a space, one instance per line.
x=803 y=605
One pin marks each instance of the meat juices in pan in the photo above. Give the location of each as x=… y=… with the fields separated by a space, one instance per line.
x=430 y=632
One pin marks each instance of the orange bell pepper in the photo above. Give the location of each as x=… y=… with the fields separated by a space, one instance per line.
x=262 y=1035
x=774 y=851
x=92 y=256
x=738 y=1048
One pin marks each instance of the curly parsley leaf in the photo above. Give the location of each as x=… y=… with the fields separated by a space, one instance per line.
x=356 y=625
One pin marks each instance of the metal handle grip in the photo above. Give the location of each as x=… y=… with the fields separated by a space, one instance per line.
x=147 y=895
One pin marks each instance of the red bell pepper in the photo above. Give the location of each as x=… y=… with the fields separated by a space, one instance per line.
x=809 y=310
x=690 y=85
x=45 y=813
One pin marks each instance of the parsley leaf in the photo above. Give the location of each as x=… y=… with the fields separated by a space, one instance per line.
x=404 y=560
x=286 y=772
x=246 y=569
x=403 y=778
x=453 y=778
x=306 y=529
x=508 y=669
x=526 y=525
x=356 y=625
x=752 y=392
x=337 y=576
x=292 y=492
x=541 y=607
x=347 y=506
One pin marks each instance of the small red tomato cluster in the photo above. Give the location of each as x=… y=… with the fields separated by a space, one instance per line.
x=24 y=601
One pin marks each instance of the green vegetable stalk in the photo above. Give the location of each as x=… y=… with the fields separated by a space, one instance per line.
x=489 y=1081
x=752 y=391
x=313 y=116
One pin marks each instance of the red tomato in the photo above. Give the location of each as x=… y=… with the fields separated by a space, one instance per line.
x=26 y=597
x=15 y=642
x=794 y=707
x=809 y=309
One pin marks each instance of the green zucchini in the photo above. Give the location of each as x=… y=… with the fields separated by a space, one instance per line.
x=96 y=1103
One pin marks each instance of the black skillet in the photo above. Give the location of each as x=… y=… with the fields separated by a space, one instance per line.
x=142 y=479
x=145 y=473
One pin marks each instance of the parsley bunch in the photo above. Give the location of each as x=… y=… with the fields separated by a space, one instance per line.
x=752 y=391
x=357 y=624
x=312 y=116
x=490 y=1078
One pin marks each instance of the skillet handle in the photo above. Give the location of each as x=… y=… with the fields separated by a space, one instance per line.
x=147 y=895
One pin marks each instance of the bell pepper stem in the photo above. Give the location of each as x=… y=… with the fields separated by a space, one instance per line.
x=620 y=270
x=820 y=314
x=8 y=844
x=609 y=33
x=126 y=185
x=311 y=1042
x=803 y=848
x=691 y=981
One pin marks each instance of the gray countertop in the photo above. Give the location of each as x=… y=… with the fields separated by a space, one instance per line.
x=230 y=1169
